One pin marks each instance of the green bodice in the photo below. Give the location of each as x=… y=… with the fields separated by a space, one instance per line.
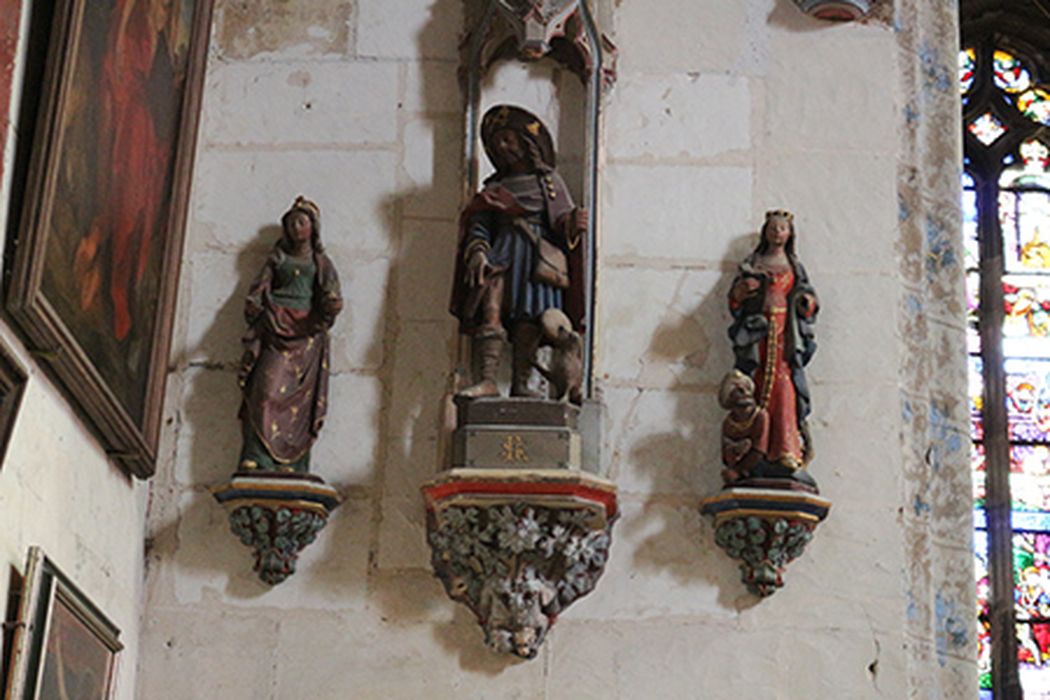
x=293 y=283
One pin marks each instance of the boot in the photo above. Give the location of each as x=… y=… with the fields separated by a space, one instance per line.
x=526 y=341
x=488 y=349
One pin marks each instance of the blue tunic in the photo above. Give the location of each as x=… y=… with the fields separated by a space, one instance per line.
x=511 y=251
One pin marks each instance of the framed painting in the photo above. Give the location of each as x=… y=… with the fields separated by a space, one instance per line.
x=13 y=380
x=64 y=647
x=95 y=265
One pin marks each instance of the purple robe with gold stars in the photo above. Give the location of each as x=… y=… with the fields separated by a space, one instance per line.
x=285 y=371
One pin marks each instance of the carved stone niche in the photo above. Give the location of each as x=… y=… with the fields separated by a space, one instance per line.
x=517 y=530
x=836 y=10
x=765 y=524
x=534 y=29
x=277 y=514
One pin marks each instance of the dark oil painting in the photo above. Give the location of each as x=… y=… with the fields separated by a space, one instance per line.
x=95 y=266
x=105 y=250
x=77 y=664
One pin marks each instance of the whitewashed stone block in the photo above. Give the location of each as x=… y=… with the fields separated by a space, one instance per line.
x=668 y=117
x=408 y=28
x=241 y=196
x=662 y=36
x=300 y=102
x=682 y=213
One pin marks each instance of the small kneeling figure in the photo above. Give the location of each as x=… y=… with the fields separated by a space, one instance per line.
x=745 y=431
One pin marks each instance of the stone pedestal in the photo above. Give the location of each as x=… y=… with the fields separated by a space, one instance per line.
x=518 y=546
x=516 y=433
x=517 y=531
x=277 y=515
x=765 y=524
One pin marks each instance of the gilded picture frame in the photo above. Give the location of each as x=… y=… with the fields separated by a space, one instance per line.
x=63 y=646
x=95 y=265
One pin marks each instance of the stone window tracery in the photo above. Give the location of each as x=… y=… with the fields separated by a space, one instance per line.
x=1006 y=228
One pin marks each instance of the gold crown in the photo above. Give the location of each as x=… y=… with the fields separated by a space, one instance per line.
x=779 y=214
x=533 y=128
x=306 y=205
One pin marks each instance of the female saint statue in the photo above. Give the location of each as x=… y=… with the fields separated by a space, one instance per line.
x=774 y=307
x=284 y=373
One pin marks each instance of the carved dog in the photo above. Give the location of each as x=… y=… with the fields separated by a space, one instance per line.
x=565 y=373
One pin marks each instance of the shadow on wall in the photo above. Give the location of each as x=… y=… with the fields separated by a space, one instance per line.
x=695 y=431
x=421 y=349
x=195 y=534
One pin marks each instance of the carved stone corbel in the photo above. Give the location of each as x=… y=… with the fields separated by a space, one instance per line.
x=277 y=515
x=518 y=546
x=835 y=10
x=765 y=529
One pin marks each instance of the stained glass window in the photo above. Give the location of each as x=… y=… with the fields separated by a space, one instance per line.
x=966 y=64
x=1010 y=75
x=987 y=128
x=1035 y=104
x=1010 y=458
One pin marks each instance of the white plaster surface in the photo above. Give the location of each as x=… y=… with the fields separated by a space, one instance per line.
x=669 y=36
x=674 y=116
x=409 y=29
x=301 y=102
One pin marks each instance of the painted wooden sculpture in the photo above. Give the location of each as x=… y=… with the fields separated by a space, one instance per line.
x=519 y=252
x=276 y=506
x=518 y=520
x=770 y=505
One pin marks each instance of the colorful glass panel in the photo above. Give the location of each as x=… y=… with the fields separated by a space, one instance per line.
x=1029 y=483
x=1024 y=218
x=1026 y=324
x=1032 y=169
x=976 y=387
x=1010 y=75
x=987 y=128
x=973 y=300
x=1032 y=576
x=984 y=632
x=1032 y=611
x=1030 y=478
x=1035 y=104
x=971 y=248
x=967 y=63
x=977 y=472
x=1028 y=399
x=1034 y=675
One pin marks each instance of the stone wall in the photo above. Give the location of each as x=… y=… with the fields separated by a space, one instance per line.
x=57 y=488
x=722 y=110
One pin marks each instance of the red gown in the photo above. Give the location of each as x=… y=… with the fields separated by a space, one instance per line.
x=135 y=162
x=774 y=389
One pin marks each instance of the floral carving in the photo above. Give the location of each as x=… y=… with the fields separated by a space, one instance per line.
x=517 y=566
x=277 y=535
x=764 y=547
